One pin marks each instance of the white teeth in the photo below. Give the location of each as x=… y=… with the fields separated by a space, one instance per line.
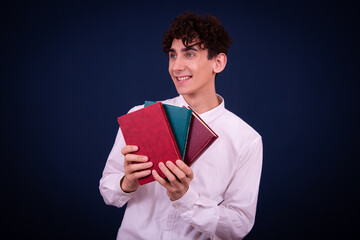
x=183 y=78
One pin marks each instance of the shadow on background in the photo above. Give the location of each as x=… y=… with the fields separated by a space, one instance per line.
x=70 y=68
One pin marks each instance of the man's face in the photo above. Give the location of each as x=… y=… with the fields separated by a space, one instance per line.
x=190 y=69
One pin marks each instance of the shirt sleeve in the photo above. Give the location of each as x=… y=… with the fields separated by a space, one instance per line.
x=235 y=216
x=113 y=172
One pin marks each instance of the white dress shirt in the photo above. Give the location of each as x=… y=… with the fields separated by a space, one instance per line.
x=221 y=200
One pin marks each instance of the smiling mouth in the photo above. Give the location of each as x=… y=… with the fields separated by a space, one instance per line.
x=180 y=79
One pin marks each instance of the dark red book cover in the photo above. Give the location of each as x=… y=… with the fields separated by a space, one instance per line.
x=200 y=137
x=149 y=129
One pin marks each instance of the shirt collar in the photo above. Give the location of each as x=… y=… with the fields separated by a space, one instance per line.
x=209 y=115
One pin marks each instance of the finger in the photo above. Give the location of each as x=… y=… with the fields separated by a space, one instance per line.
x=169 y=175
x=129 y=159
x=128 y=149
x=135 y=158
x=159 y=179
x=141 y=174
x=131 y=168
x=185 y=168
x=178 y=172
x=136 y=175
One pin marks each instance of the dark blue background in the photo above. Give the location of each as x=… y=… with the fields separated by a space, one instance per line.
x=69 y=69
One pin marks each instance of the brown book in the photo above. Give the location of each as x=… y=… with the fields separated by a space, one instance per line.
x=200 y=137
x=149 y=129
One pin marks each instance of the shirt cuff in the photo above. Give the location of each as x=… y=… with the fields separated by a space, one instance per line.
x=187 y=201
x=124 y=196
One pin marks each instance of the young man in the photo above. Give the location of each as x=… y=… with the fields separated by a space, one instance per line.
x=216 y=197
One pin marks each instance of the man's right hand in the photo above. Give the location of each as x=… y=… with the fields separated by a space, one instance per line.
x=136 y=166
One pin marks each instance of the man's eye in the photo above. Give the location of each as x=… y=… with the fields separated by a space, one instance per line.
x=172 y=55
x=189 y=55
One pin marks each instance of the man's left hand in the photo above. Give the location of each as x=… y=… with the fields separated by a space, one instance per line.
x=179 y=177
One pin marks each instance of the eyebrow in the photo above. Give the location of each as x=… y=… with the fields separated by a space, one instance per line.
x=185 y=49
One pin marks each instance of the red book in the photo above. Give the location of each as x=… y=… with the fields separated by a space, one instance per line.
x=149 y=129
x=200 y=137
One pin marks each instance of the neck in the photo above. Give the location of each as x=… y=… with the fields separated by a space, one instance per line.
x=202 y=103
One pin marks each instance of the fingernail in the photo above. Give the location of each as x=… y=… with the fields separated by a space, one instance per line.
x=168 y=163
x=134 y=148
x=149 y=164
x=161 y=165
x=154 y=172
x=179 y=162
x=144 y=158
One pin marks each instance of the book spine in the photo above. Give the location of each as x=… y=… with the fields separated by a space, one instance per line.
x=170 y=131
x=187 y=132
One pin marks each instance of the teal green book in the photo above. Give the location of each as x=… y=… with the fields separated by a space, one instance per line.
x=179 y=119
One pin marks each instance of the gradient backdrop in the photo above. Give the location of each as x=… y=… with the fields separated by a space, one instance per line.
x=69 y=69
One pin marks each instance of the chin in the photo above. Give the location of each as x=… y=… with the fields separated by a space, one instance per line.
x=182 y=91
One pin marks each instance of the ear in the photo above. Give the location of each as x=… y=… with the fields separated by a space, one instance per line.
x=219 y=62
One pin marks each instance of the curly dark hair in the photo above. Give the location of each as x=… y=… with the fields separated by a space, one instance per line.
x=191 y=27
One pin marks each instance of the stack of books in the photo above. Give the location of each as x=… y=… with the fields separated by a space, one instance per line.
x=166 y=133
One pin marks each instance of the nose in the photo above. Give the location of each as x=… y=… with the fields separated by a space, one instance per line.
x=178 y=64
